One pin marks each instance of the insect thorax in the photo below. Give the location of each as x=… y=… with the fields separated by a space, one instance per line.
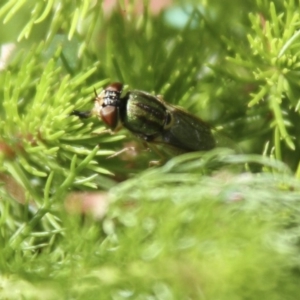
x=143 y=114
x=111 y=98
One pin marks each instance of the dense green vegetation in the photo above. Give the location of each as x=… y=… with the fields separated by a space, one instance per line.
x=76 y=224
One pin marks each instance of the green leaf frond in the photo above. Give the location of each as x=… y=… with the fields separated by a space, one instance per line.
x=36 y=118
x=43 y=11
x=215 y=224
x=82 y=218
x=271 y=65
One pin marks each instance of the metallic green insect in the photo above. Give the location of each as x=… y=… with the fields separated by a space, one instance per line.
x=152 y=120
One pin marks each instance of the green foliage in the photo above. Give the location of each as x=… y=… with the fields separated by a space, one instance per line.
x=215 y=225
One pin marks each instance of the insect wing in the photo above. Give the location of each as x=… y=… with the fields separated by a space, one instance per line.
x=187 y=132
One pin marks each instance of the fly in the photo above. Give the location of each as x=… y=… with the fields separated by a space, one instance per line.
x=152 y=120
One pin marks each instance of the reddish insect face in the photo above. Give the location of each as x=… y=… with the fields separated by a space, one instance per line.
x=109 y=116
x=107 y=104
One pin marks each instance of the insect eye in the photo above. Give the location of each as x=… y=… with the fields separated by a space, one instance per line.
x=115 y=86
x=109 y=115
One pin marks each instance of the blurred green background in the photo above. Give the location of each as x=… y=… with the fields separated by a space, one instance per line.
x=215 y=225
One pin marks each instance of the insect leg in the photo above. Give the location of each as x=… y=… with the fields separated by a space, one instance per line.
x=81 y=114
